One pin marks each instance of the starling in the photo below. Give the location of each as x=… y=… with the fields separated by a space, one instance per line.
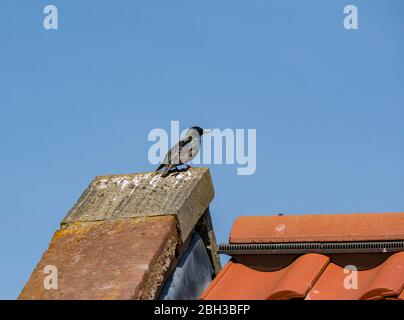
x=184 y=151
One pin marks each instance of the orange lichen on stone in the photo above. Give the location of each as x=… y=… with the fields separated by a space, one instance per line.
x=120 y=259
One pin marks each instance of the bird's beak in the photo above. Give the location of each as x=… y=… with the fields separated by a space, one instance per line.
x=205 y=131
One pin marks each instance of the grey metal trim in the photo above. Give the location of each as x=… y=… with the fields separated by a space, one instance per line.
x=311 y=247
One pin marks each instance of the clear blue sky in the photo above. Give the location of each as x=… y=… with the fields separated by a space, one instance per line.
x=80 y=101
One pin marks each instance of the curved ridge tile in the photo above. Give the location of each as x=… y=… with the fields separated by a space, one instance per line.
x=318 y=227
x=387 y=279
x=384 y=280
x=212 y=287
x=299 y=276
x=328 y=285
x=237 y=281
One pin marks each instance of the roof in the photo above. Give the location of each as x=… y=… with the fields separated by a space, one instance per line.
x=344 y=274
x=124 y=237
x=320 y=227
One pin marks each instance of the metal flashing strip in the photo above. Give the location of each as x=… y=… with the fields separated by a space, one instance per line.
x=311 y=247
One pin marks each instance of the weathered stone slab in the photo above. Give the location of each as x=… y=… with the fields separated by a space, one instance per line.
x=186 y=195
x=120 y=259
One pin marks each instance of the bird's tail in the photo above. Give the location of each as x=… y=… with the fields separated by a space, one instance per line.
x=166 y=171
x=160 y=167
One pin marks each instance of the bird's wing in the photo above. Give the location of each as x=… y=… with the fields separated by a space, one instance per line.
x=190 y=150
x=185 y=141
x=173 y=155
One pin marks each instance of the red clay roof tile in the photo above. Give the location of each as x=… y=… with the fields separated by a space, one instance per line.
x=321 y=227
x=237 y=281
x=310 y=277
x=315 y=276
x=377 y=283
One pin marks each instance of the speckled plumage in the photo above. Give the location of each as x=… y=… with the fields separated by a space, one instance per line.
x=183 y=152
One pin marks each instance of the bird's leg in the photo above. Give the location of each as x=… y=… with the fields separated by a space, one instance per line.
x=184 y=168
x=175 y=171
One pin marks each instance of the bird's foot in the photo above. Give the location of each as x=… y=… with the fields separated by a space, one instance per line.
x=175 y=171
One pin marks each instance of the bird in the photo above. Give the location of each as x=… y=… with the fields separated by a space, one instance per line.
x=184 y=151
